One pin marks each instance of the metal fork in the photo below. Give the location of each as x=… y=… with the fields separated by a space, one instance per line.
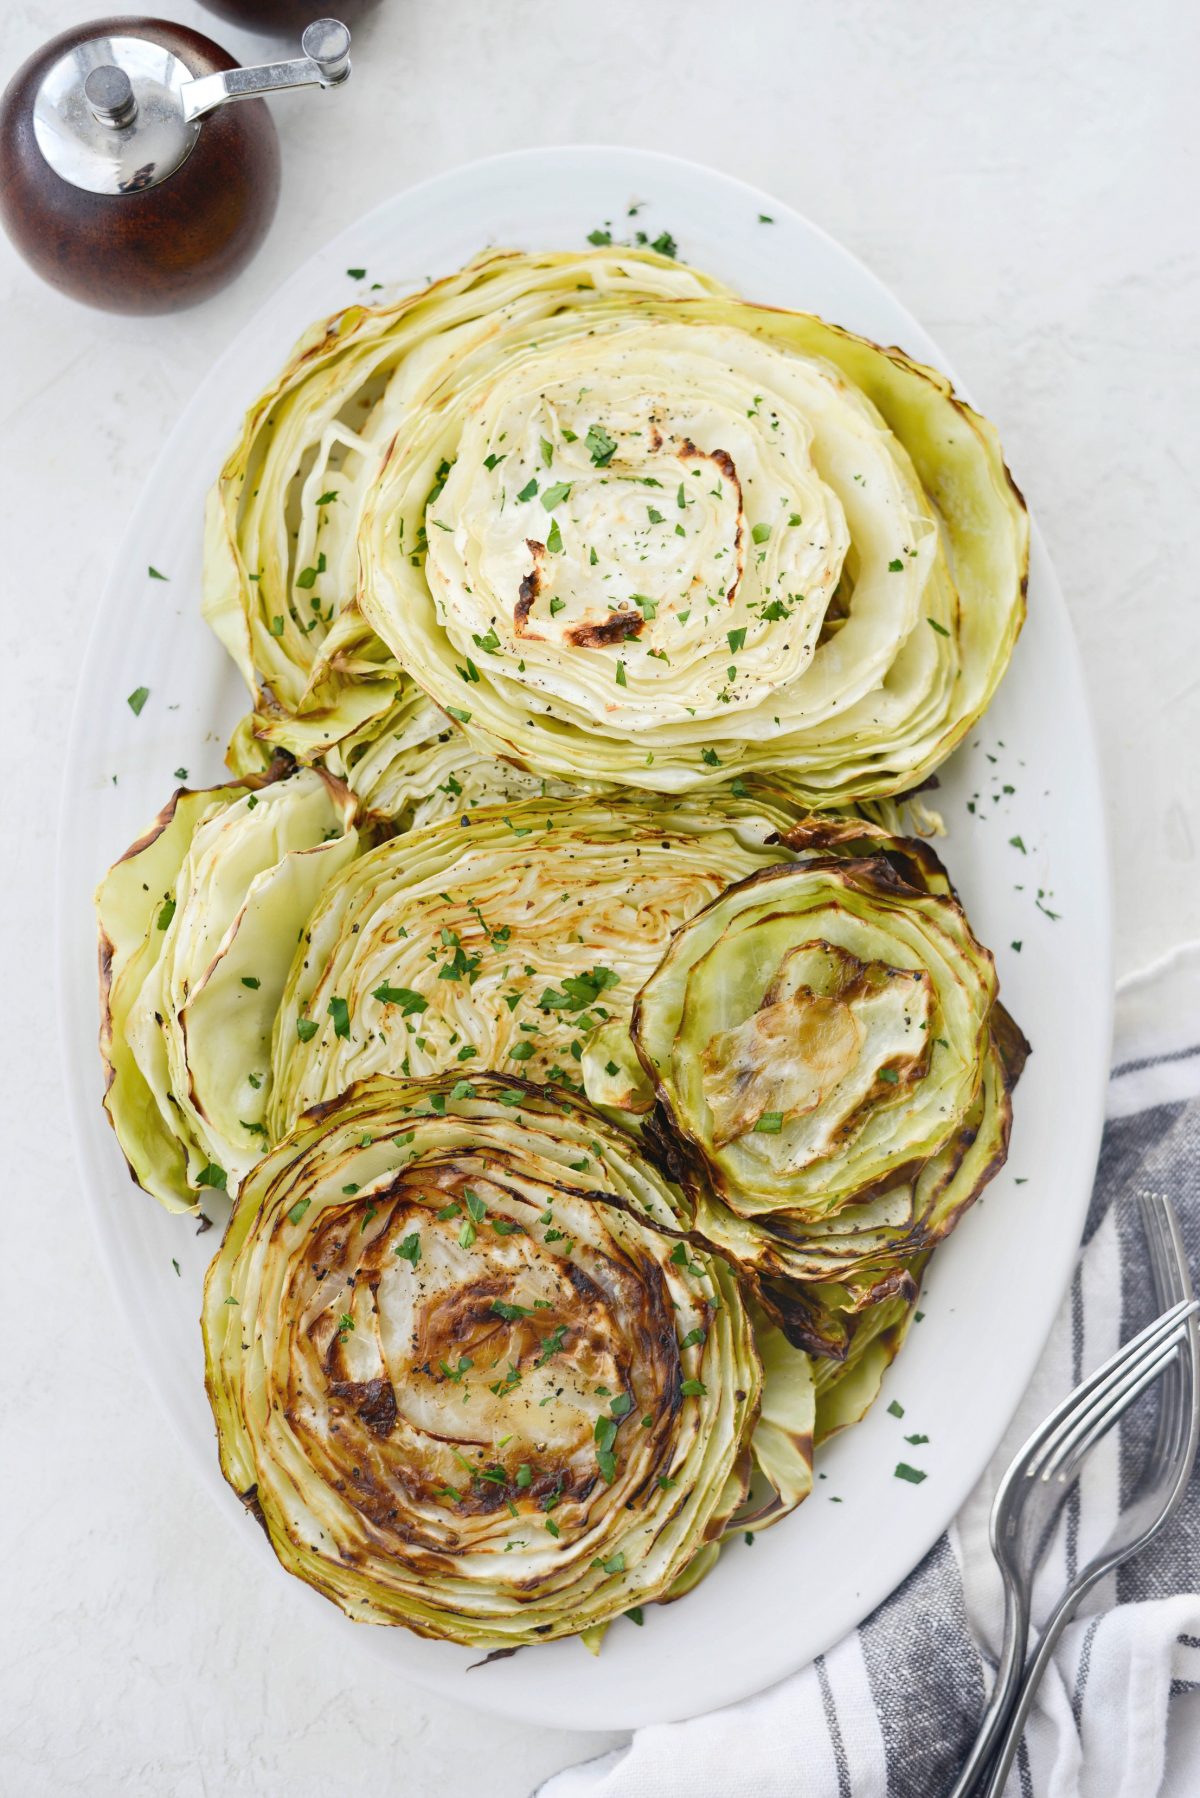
x=1036 y=1485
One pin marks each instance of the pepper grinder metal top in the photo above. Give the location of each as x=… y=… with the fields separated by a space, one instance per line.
x=116 y=115
x=127 y=177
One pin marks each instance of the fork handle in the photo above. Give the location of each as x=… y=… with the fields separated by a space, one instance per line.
x=1004 y=1692
x=1006 y=1752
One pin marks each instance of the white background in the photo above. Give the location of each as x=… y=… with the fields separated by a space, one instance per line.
x=1025 y=178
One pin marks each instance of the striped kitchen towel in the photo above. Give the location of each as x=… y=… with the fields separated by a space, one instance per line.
x=891 y=1711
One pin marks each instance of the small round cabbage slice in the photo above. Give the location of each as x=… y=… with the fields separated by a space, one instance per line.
x=826 y=1039
x=199 y=923
x=514 y=939
x=463 y=1376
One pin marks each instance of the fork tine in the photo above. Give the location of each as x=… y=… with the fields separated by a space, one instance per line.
x=1182 y=1381
x=1101 y=1385
x=1171 y=1282
x=1168 y=1261
x=1095 y=1424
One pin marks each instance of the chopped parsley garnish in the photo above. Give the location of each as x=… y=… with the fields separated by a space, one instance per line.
x=339 y=1011
x=529 y=489
x=770 y=1123
x=601 y=447
x=306 y=1029
x=412 y=1004
x=761 y=532
x=551 y=1344
x=939 y=628
x=895 y=1409
x=680 y=1258
x=913 y=1475
x=895 y=566
x=693 y=1388
x=410 y=1249
x=166 y=914
x=554 y=496
x=137 y=699
x=212 y=1175
x=579 y=992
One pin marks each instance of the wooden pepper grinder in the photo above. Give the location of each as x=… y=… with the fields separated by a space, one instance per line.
x=127 y=180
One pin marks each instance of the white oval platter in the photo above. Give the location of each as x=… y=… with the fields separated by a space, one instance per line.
x=1030 y=772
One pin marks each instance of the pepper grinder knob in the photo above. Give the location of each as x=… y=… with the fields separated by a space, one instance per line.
x=109 y=93
x=327 y=43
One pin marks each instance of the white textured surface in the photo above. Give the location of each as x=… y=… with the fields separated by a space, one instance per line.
x=1025 y=181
